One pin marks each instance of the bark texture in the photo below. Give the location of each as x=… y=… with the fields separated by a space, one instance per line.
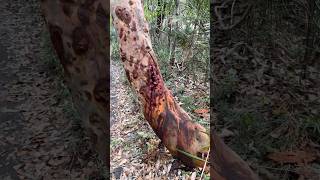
x=168 y=120
x=78 y=30
x=226 y=164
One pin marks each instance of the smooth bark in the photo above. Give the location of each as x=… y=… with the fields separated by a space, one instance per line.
x=80 y=37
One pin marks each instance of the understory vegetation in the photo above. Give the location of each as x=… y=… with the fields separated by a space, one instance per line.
x=265 y=77
x=180 y=37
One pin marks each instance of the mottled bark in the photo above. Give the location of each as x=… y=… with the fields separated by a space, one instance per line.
x=168 y=120
x=80 y=37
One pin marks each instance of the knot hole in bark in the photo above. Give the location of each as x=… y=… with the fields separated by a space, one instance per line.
x=123 y=14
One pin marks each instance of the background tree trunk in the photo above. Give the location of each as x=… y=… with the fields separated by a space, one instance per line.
x=80 y=37
x=169 y=121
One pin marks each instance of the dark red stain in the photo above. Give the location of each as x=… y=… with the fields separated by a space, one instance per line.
x=123 y=56
x=78 y=70
x=100 y=92
x=131 y=58
x=80 y=40
x=94 y=118
x=67 y=10
x=134 y=26
x=153 y=89
x=55 y=35
x=123 y=14
x=84 y=14
x=186 y=132
x=88 y=95
x=89 y=3
x=135 y=74
x=128 y=75
x=102 y=18
x=83 y=83
x=121 y=33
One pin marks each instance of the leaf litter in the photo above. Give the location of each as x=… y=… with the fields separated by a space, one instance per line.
x=39 y=140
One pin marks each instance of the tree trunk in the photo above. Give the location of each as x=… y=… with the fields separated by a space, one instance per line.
x=226 y=164
x=80 y=37
x=169 y=121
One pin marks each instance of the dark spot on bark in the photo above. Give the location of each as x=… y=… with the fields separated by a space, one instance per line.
x=142 y=66
x=135 y=74
x=101 y=92
x=130 y=2
x=67 y=10
x=145 y=30
x=123 y=57
x=134 y=38
x=80 y=40
x=123 y=14
x=83 y=83
x=134 y=26
x=88 y=95
x=93 y=138
x=188 y=133
x=94 y=118
x=84 y=14
x=89 y=3
x=131 y=58
x=78 y=70
x=128 y=75
x=121 y=33
x=55 y=35
x=125 y=38
x=101 y=18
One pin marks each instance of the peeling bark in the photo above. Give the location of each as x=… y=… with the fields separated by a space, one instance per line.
x=168 y=120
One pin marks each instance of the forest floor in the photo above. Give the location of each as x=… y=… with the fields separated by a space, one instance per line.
x=136 y=152
x=40 y=138
x=268 y=106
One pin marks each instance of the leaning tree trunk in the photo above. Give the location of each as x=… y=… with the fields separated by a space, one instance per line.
x=79 y=34
x=169 y=121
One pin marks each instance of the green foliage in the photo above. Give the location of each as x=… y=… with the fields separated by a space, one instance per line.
x=183 y=37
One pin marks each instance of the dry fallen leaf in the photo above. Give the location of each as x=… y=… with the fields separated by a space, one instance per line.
x=299 y=157
x=201 y=111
